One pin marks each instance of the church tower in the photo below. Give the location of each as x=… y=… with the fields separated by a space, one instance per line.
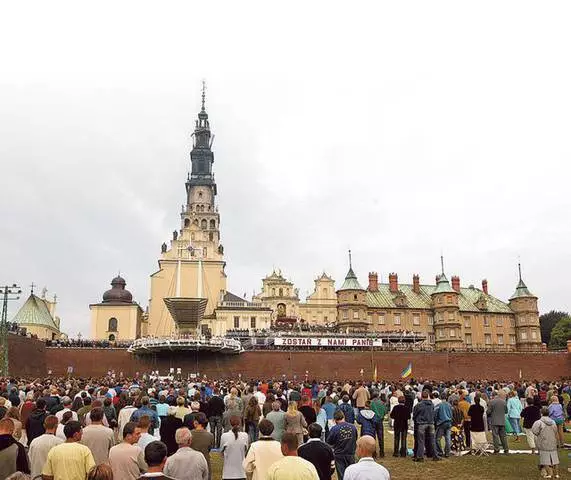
x=192 y=266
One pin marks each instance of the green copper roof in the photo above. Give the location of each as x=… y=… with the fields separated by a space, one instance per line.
x=521 y=291
x=351 y=282
x=467 y=299
x=35 y=312
x=443 y=286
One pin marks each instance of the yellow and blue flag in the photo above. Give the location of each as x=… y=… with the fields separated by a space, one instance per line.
x=407 y=372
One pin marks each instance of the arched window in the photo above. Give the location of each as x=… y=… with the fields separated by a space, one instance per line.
x=211 y=236
x=199 y=194
x=204 y=252
x=187 y=222
x=273 y=292
x=195 y=222
x=203 y=224
x=281 y=292
x=112 y=325
x=111 y=338
x=212 y=224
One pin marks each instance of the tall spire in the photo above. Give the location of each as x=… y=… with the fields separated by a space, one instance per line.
x=442 y=263
x=201 y=155
x=521 y=290
x=203 y=95
x=350 y=263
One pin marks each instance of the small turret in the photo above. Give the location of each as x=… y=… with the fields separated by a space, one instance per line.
x=524 y=305
x=352 y=303
x=447 y=324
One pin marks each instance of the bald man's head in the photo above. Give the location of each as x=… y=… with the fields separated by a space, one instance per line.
x=366 y=446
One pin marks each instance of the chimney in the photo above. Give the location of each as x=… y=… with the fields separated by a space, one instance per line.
x=373 y=282
x=456 y=283
x=485 y=286
x=416 y=283
x=393 y=282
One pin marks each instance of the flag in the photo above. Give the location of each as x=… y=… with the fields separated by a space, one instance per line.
x=407 y=372
x=375 y=374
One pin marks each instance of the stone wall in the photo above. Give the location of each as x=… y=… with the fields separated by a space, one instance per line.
x=343 y=365
x=26 y=356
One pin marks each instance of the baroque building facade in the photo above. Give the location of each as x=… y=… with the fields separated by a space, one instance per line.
x=191 y=282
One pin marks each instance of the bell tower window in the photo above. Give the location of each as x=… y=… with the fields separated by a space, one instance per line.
x=203 y=224
x=112 y=327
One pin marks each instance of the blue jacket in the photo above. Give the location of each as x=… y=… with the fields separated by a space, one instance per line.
x=343 y=438
x=137 y=414
x=329 y=409
x=368 y=421
x=423 y=412
x=348 y=411
x=443 y=414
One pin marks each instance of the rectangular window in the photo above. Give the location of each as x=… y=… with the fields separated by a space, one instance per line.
x=468 y=339
x=487 y=339
x=533 y=334
x=430 y=320
x=356 y=314
x=381 y=318
x=467 y=322
x=345 y=314
x=500 y=339
x=486 y=321
x=325 y=318
x=499 y=322
x=512 y=322
x=453 y=332
x=252 y=322
x=416 y=320
x=448 y=299
x=451 y=317
x=236 y=322
x=512 y=339
x=431 y=338
x=523 y=335
x=441 y=333
x=439 y=317
x=397 y=319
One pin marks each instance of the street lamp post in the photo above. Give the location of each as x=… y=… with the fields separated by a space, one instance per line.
x=8 y=293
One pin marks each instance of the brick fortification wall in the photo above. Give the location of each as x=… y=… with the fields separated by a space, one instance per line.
x=26 y=357
x=342 y=365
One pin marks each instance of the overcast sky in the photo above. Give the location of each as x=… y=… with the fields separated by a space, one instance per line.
x=396 y=129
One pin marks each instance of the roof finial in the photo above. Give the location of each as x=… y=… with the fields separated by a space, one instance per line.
x=442 y=263
x=350 y=262
x=203 y=94
x=32 y=287
x=519 y=270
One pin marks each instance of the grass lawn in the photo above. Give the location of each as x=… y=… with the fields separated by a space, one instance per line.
x=468 y=467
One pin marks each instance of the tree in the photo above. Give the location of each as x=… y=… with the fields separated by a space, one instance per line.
x=547 y=321
x=560 y=334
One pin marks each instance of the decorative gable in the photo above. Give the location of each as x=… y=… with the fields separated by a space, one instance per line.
x=400 y=299
x=482 y=303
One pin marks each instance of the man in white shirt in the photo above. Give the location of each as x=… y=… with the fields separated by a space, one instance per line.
x=186 y=463
x=40 y=446
x=66 y=408
x=366 y=468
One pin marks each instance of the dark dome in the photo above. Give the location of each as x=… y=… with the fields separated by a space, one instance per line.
x=118 y=293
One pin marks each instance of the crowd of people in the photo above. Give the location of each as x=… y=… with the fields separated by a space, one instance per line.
x=167 y=428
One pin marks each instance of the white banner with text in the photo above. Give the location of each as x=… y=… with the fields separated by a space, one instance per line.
x=327 y=342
